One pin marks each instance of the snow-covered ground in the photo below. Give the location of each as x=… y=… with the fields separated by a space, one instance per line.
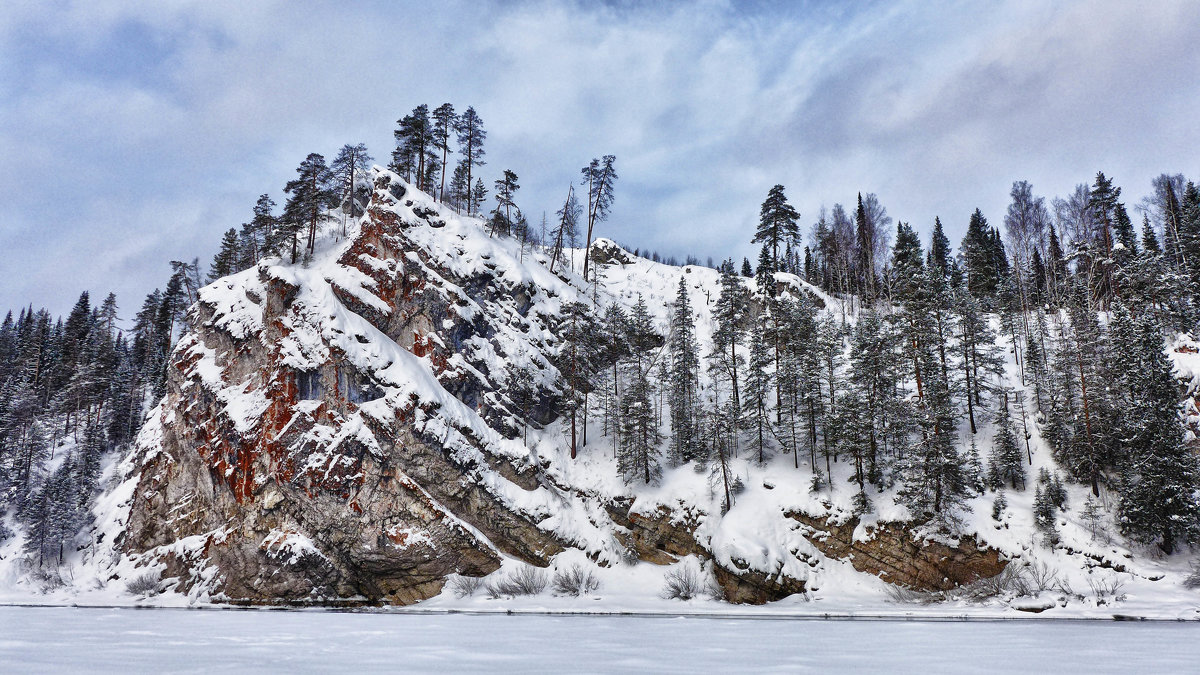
x=46 y=640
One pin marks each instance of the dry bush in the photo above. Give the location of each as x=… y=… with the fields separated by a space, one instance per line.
x=575 y=580
x=908 y=596
x=1106 y=589
x=682 y=583
x=1193 y=577
x=465 y=586
x=527 y=580
x=145 y=584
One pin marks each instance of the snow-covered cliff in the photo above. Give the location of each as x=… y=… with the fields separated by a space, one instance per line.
x=365 y=427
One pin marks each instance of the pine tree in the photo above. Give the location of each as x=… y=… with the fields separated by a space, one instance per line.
x=445 y=122
x=311 y=193
x=347 y=168
x=599 y=176
x=747 y=270
x=415 y=145
x=471 y=136
x=777 y=224
x=262 y=233
x=1102 y=204
x=506 y=190
x=566 y=230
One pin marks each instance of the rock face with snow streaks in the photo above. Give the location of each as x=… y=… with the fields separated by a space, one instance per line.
x=308 y=453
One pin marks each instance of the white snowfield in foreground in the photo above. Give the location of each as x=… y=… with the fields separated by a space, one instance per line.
x=45 y=640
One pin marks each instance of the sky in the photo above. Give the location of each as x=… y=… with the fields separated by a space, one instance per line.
x=137 y=132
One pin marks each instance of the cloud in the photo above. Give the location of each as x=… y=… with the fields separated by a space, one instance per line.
x=134 y=133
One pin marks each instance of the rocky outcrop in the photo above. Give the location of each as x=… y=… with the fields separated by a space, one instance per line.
x=743 y=585
x=292 y=468
x=660 y=537
x=892 y=552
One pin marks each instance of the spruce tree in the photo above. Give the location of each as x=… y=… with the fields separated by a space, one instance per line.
x=1005 y=464
x=575 y=360
x=939 y=249
x=756 y=396
x=777 y=224
x=729 y=314
x=227 y=259
x=684 y=379
x=1044 y=515
x=638 y=456
x=566 y=230
x=1158 y=501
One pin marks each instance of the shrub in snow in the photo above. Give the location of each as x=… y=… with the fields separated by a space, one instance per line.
x=1092 y=514
x=908 y=596
x=817 y=484
x=575 y=580
x=1106 y=589
x=465 y=586
x=527 y=580
x=737 y=487
x=861 y=503
x=998 y=506
x=146 y=584
x=1042 y=577
x=1193 y=577
x=683 y=583
x=1016 y=581
x=1056 y=492
x=1044 y=513
x=629 y=555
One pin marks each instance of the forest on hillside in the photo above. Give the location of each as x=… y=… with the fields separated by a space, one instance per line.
x=895 y=386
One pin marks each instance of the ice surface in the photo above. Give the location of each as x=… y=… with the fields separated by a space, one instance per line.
x=47 y=640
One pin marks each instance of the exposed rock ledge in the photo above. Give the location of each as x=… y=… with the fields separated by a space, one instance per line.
x=893 y=553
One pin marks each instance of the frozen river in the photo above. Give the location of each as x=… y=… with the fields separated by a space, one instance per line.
x=39 y=640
